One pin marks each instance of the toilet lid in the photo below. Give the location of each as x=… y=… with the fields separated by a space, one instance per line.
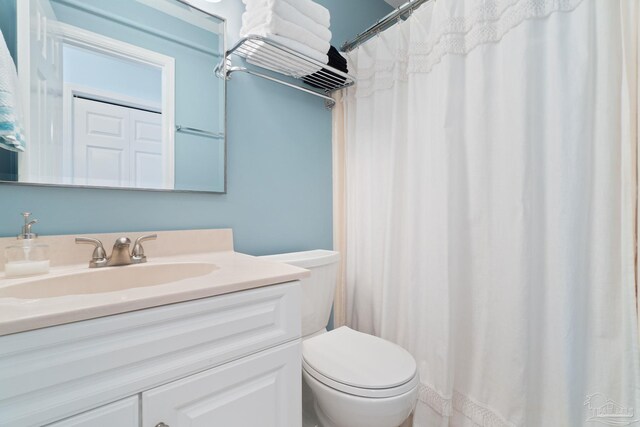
x=365 y=365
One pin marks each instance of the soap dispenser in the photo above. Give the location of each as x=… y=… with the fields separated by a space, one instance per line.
x=27 y=257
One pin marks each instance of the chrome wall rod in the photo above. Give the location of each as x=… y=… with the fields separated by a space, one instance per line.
x=403 y=12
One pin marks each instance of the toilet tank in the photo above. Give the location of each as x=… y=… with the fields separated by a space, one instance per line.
x=318 y=289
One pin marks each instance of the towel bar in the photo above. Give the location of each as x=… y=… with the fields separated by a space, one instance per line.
x=200 y=132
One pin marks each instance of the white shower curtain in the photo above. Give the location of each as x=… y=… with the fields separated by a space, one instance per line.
x=490 y=210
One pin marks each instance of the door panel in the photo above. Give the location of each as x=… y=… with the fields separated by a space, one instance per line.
x=123 y=413
x=100 y=144
x=259 y=390
x=147 y=170
x=147 y=166
x=106 y=166
x=118 y=146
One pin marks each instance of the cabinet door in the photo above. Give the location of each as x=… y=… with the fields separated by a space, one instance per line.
x=263 y=390
x=123 y=413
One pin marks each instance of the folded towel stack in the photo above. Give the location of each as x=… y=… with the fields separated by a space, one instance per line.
x=11 y=133
x=301 y=25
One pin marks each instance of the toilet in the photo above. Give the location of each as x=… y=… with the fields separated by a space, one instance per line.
x=351 y=379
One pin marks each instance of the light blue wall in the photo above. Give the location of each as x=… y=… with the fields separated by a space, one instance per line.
x=279 y=168
x=114 y=75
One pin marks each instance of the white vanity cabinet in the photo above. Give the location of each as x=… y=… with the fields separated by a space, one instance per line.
x=254 y=391
x=231 y=360
x=124 y=413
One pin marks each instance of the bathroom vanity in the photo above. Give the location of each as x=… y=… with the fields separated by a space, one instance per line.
x=220 y=347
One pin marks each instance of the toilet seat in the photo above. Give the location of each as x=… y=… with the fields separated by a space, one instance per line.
x=359 y=364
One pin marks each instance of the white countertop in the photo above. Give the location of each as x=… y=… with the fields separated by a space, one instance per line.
x=235 y=272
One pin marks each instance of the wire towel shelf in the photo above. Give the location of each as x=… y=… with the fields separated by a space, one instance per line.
x=264 y=53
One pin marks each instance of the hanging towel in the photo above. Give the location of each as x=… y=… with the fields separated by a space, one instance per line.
x=311 y=9
x=255 y=16
x=337 y=61
x=11 y=133
x=261 y=54
x=276 y=26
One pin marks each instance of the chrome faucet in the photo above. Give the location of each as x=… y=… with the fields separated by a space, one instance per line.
x=120 y=254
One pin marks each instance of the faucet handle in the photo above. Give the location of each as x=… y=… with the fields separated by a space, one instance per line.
x=99 y=254
x=137 y=254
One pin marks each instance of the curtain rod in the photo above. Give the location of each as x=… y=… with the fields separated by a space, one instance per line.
x=403 y=12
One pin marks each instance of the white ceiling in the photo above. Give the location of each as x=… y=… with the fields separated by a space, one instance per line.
x=396 y=3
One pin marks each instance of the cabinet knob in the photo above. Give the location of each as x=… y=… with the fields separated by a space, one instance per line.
x=161 y=425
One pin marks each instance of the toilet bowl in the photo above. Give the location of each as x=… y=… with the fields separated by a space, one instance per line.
x=359 y=380
x=356 y=379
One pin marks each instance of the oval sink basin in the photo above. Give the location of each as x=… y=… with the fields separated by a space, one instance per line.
x=110 y=279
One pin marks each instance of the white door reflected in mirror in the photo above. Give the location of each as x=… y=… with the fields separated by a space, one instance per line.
x=118 y=146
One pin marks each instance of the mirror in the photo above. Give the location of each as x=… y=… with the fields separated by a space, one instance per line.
x=119 y=94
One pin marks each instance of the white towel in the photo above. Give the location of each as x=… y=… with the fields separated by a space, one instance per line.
x=11 y=133
x=313 y=10
x=256 y=15
x=301 y=48
x=273 y=25
x=262 y=55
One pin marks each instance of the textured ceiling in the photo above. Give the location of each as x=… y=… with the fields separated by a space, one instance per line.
x=396 y=3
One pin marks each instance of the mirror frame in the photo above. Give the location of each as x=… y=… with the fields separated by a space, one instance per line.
x=225 y=123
